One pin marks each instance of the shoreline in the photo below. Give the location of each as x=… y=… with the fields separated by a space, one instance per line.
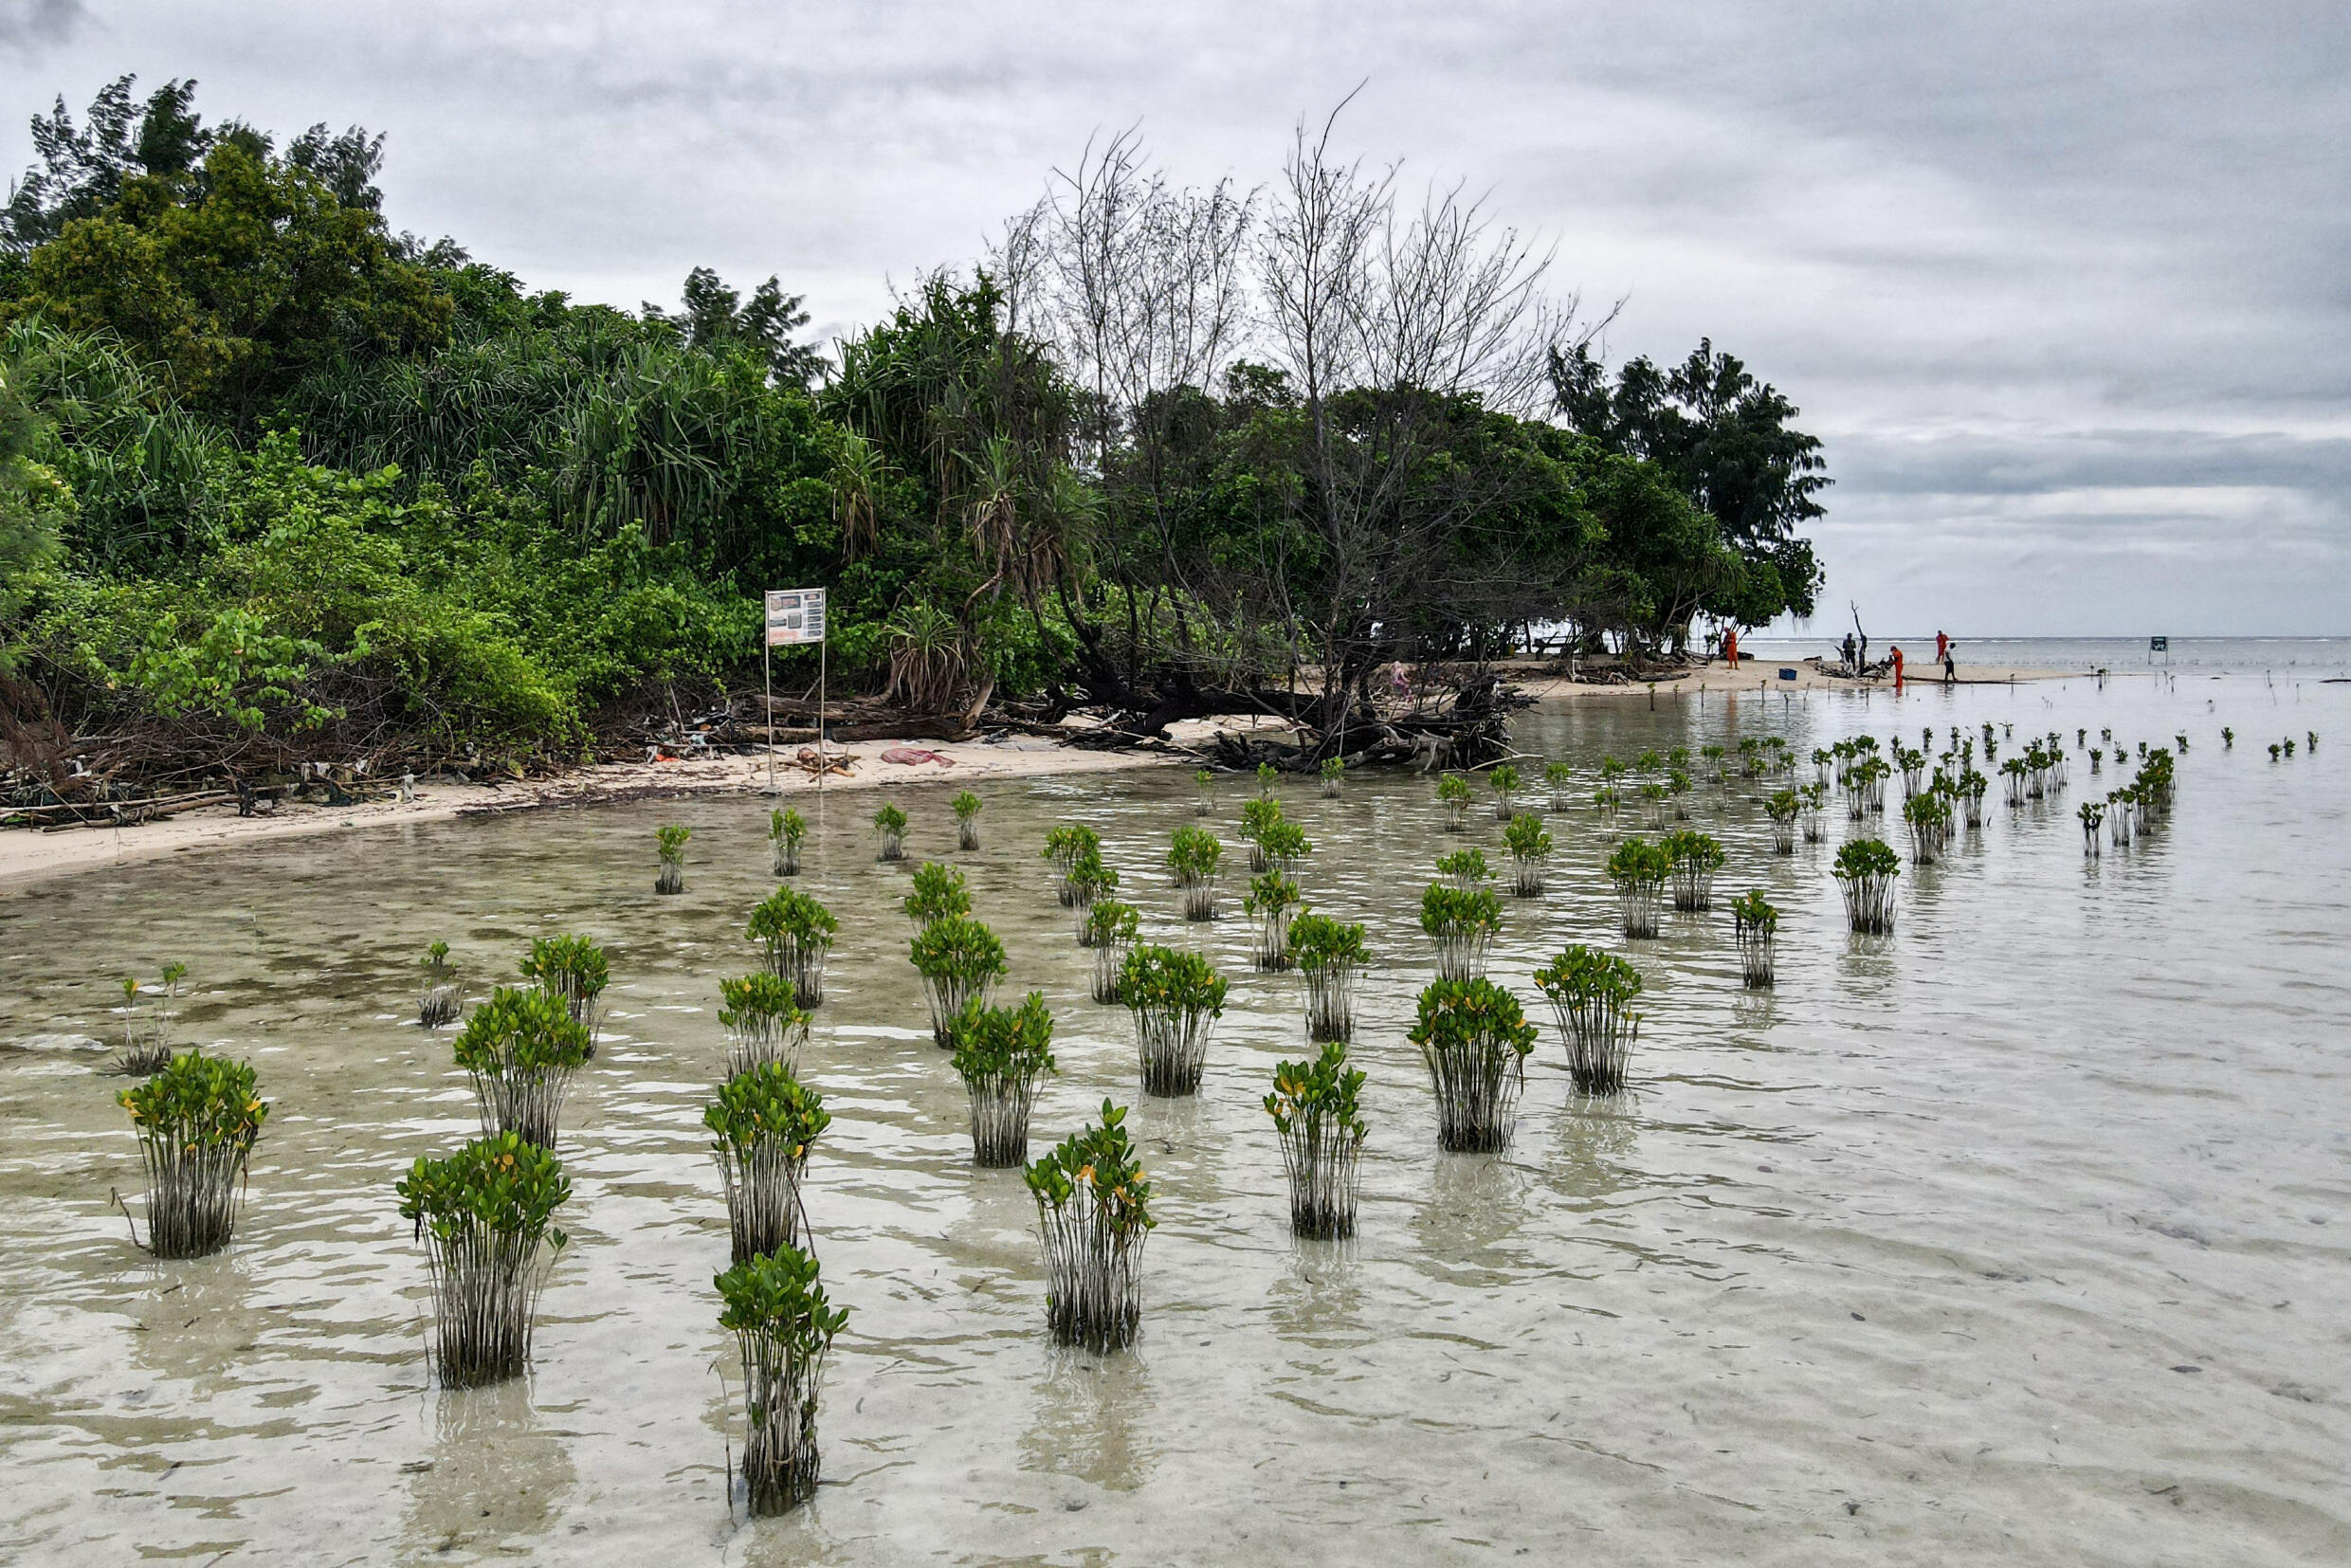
x=1762 y=675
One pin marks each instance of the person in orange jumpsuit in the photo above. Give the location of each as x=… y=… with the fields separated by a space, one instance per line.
x=1730 y=647
x=1895 y=654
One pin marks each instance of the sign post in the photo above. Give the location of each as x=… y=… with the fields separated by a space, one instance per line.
x=795 y=617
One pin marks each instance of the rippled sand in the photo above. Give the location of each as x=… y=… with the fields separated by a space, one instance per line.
x=2019 y=1237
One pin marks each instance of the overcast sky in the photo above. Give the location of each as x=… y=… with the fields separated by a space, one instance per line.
x=2063 y=287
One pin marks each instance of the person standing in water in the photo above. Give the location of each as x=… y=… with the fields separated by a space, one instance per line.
x=1895 y=654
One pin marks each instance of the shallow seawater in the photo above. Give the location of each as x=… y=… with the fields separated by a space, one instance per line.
x=2019 y=1236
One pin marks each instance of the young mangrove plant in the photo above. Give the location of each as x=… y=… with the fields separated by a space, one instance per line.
x=2018 y=774
x=1590 y=993
x=2228 y=738
x=1606 y=800
x=762 y=1021
x=1970 y=789
x=1865 y=786
x=1192 y=861
x=1460 y=924
x=485 y=1216
x=797 y=931
x=1677 y=791
x=1530 y=854
x=1652 y=795
x=999 y=1053
x=520 y=1049
x=1204 y=793
x=1176 y=999
x=1639 y=869
x=1088 y=880
x=1267 y=776
x=1333 y=775
x=959 y=959
x=1866 y=870
x=1696 y=858
x=785 y=831
x=776 y=1309
x=1928 y=818
x=1782 y=806
x=1815 y=812
x=1065 y=846
x=1314 y=1111
x=1464 y=869
x=1283 y=844
x=1504 y=780
x=1475 y=1040
x=1110 y=931
x=437 y=1008
x=1257 y=815
x=575 y=968
x=196 y=1118
x=889 y=833
x=670 y=843
x=1559 y=778
x=1755 y=923
x=966 y=806
x=2093 y=815
x=937 y=891
x=761 y=1128
x=1332 y=957
x=1453 y=793
x=1272 y=899
x=1094 y=1213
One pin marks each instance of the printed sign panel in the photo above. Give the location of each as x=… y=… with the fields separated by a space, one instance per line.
x=794 y=615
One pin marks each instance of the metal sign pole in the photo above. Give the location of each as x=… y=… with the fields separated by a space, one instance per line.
x=824 y=748
x=767 y=683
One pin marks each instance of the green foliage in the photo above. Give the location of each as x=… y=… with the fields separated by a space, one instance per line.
x=1752 y=911
x=1318 y=941
x=1558 y=773
x=788 y=915
x=502 y=1184
x=1687 y=848
x=1637 y=860
x=1003 y=1042
x=1781 y=805
x=958 y=948
x=1525 y=838
x=756 y=997
x=1089 y=877
x=1285 y=843
x=523 y=1031
x=1170 y=980
x=1194 y=854
x=437 y=956
x=197 y=1100
x=786 y=827
x=966 y=804
x=1453 y=789
x=1069 y=841
x=890 y=820
x=1269 y=894
x=1464 y=866
x=1504 y=779
x=766 y=1106
x=1867 y=857
x=1257 y=814
x=1448 y=911
x=1325 y=1089
x=572 y=965
x=1267 y=776
x=1578 y=974
x=672 y=842
x=776 y=1297
x=937 y=892
x=1098 y=1165
x=1333 y=769
x=1466 y=1013
x=1107 y=920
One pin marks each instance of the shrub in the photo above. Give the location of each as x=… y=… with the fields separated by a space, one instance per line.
x=1088 y=880
x=775 y=1307
x=1272 y=899
x=1530 y=853
x=1558 y=777
x=959 y=959
x=1464 y=869
x=1866 y=870
x=785 y=831
x=761 y=1126
x=1590 y=994
x=1453 y=793
x=1333 y=774
x=967 y=820
x=889 y=831
x=1475 y=1040
x=1781 y=806
x=797 y=931
x=937 y=892
x=1267 y=776
x=1315 y=1115
x=484 y=1217
x=1460 y=924
x=1331 y=956
x=999 y=1053
x=1639 y=869
x=1755 y=923
x=1176 y=999
x=1927 y=816
x=1065 y=846
x=197 y=1119
x=1204 y=793
x=763 y=1023
x=1696 y=857
x=671 y=843
x=521 y=1048
x=1094 y=1211
x=575 y=968
x=1191 y=860
x=1110 y=931
x=1505 y=782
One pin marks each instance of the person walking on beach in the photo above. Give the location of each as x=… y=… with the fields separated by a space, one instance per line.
x=1730 y=648
x=1943 y=648
x=1950 y=663
x=1895 y=654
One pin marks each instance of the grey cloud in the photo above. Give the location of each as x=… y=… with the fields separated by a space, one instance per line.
x=28 y=26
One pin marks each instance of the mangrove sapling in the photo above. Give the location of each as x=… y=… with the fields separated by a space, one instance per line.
x=575 y=968
x=783 y=1326
x=1558 y=777
x=1256 y=817
x=2181 y=738
x=1453 y=793
x=1283 y=844
x=484 y=1216
x=2228 y=738
x=1267 y=776
x=937 y=892
x=967 y=806
x=1475 y=1039
x=196 y=1119
x=2273 y=751
x=1271 y=900
x=2015 y=771
x=2097 y=759
x=1928 y=818
x=1505 y=779
x=1652 y=803
x=1312 y=1106
x=1815 y=812
x=1176 y=999
x=1648 y=762
x=1090 y=880
x=521 y=1048
x=763 y=1023
x=1612 y=771
x=671 y=843
x=1639 y=869
x=889 y=831
x=1460 y=924
x=2311 y=735
x=146 y=1040
x=1755 y=923
x=1332 y=957
x=959 y=959
x=1093 y=1211
x=1696 y=858
x=797 y=931
x=1530 y=853
x=1110 y=931
x=1204 y=793
x=1866 y=870
x=1333 y=774
x=1592 y=995
x=1605 y=801
x=2093 y=815
x=1970 y=789
x=761 y=1128
x=1823 y=759
x=1065 y=846
x=1464 y=869
x=1677 y=790
x=1868 y=783
x=2120 y=816
x=1782 y=806
x=1192 y=861
x=999 y=1053
x=438 y=1006
x=785 y=831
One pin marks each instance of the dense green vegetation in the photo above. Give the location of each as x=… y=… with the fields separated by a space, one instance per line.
x=278 y=481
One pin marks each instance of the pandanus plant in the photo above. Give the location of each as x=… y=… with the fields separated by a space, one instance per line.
x=1460 y=924
x=1065 y=846
x=1110 y=932
x=1331 y=957
x=1094 y=1214
x=2093 y=815
x=1639 y=869
x=1090 y=880
x=1755 y=923
x=1504 y=781
x=438 y=1006
x=967 y=807
x=1176 y=999
x=1272 y=901
x=1204 y=793
x=797 y=931
x=670 y=843
x=783 y=1324
x=1192 y=861
x=1314 y=1109
x=1590 y=994
x=1866 y=870
x=1453 y=793
x=1559 y=778
x=1333 y=775
x=959 y=959
x=485 y=1216
x=1464 y=869
x=786 y=829
x=1696 y=858
x=763 y=1023
x=761 y=1128
x=1475 y=1039
x=575 y=968
x=1000 y=1053
x=889 y=833
x=1928 y=818
x=1782 y=806
x=1530 y=854
x=520 y=1049
x=197 y=1119
x=937 y=892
